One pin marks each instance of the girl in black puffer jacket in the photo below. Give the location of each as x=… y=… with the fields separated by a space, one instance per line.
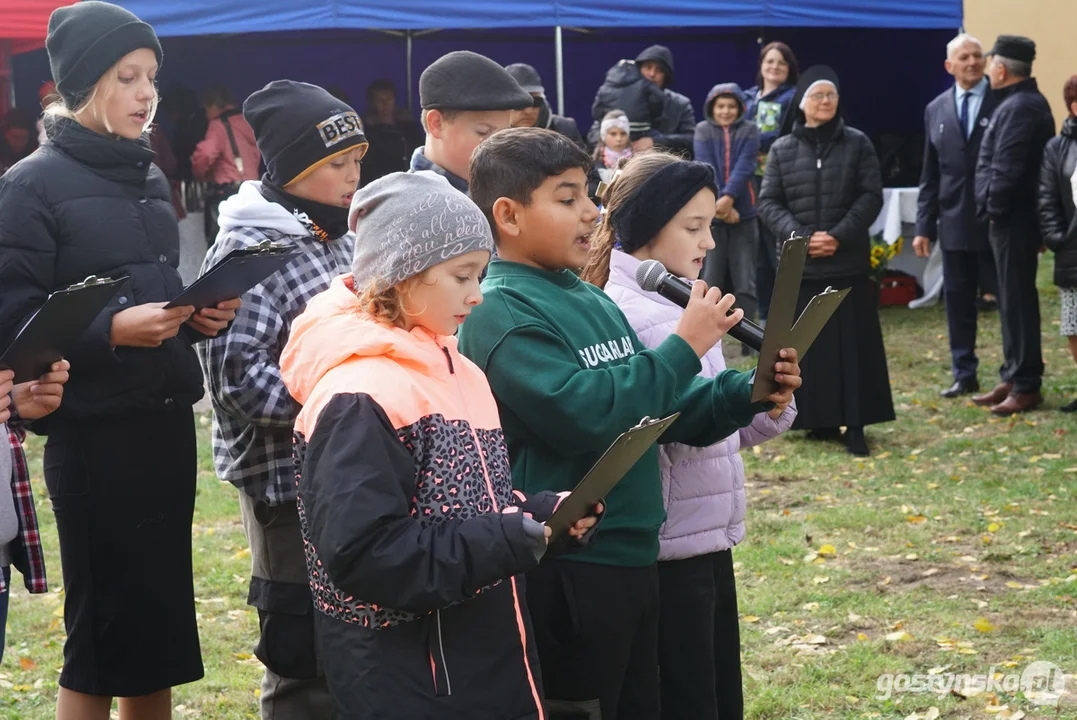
x=1058 y=218
x=822 y=180
x=120 y=461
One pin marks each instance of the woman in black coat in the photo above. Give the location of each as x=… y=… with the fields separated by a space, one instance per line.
x=1058 y=219
x=822 y=180
x=120 y=460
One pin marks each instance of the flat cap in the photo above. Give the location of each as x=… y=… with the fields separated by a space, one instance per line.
x=527 y=76
x=464 y=80
x=1014 y=47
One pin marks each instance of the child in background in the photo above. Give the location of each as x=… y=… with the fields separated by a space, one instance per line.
x=20 y=541
x=699 y=639
x=570 y=375
x=729 y=143
x=614 y=144
x=466 y=98
x=412 y=530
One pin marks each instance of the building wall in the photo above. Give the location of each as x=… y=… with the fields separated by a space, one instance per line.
x=1051 y=23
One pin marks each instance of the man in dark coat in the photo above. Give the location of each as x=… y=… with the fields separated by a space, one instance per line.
x=1007 y=175
x=676 y=126
x=954 y=125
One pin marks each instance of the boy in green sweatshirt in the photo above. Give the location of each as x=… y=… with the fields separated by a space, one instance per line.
x=569 y=376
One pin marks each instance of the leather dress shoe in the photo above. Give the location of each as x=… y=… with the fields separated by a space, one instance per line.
x=1018 y=402
x=965 y=386
x=1001 y=391
x=855 y=442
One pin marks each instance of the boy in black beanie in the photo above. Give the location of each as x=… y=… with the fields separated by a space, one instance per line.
x=466 y=98
x=312 y=144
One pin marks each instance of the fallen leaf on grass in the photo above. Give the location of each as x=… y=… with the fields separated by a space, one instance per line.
x=826 y=550
x=932 y=713
x=900 y=636
x=995 y=709
x=1014 y=585
x=994 y=527
x=861 y=637
x=916 y=519
x=820 y=579
x=242 y=553
x=984 y=625
x=750 y=619
x=27 y=664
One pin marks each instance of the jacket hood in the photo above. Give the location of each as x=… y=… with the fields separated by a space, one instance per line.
x=662 y=54
x=1069 y=127
x=333 y=330
x=623 y=74
x=249 y=208
x=719 y=90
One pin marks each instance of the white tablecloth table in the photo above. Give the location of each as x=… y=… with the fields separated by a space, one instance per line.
x=898 y=219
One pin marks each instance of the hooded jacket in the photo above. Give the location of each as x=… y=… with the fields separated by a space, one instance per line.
x=252 y=410
x=83 y=205
x=1056 y=198
x=674 y=130
x=627 y=90
x=703 y=487
x=406 y=507
x=732 y=151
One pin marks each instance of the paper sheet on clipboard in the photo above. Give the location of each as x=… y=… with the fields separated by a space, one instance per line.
x=614 y=464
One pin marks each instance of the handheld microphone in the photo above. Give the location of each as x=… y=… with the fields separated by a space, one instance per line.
x=652 y=276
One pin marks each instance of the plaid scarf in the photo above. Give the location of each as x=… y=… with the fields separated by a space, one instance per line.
x=27 y=554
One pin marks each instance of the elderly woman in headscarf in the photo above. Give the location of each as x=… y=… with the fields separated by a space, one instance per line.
x=822 y=181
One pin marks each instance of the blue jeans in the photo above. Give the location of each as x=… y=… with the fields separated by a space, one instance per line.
x=3 y=607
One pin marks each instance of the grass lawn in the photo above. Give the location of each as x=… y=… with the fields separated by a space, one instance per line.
x=953 y=549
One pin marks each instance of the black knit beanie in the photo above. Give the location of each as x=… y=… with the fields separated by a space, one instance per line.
x=86 y=39
x=298 y=127
x=654 y=203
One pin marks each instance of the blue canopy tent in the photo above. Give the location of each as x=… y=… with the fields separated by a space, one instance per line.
x=888 y=52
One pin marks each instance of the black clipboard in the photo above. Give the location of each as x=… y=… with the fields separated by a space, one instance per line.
x=238 y=272
x=54 y=330
x=614 y=464
x=781 y=331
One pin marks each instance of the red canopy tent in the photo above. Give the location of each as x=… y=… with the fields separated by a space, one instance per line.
x=22 y=28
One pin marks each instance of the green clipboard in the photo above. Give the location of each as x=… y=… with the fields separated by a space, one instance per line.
x=614 y=464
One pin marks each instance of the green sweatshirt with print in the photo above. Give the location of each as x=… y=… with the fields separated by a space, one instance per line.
x=570 y=375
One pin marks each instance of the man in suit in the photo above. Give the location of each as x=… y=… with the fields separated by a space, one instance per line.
x=1007 y=176
x=954 y=125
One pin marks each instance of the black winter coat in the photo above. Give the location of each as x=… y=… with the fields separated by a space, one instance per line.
x=625 y=89
x=1008 y=170
x=86 y=204
x=828 y=181
x=1058 y=217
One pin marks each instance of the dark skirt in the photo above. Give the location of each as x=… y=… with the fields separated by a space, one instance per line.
x=846 y=381
x=123 y=494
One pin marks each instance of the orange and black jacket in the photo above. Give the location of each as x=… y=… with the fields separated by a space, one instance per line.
x=414 y=537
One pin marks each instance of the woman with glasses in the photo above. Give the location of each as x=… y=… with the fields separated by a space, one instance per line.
x=822 y=181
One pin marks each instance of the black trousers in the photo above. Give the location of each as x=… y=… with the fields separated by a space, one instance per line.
x=596 y=630
x=1016 y=249
x=699 y=639
x=963 y=275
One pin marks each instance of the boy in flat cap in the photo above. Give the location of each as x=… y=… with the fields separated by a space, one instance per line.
x=466 y=98
x=1007 y=175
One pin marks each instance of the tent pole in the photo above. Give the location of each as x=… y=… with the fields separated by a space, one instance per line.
x=7 y=78
x=411 y=100
x=560 y=65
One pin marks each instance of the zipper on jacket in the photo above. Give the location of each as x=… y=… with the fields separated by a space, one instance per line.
x=818 y=188
x=728 y=153
x=521 y=627
x=438 y=667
